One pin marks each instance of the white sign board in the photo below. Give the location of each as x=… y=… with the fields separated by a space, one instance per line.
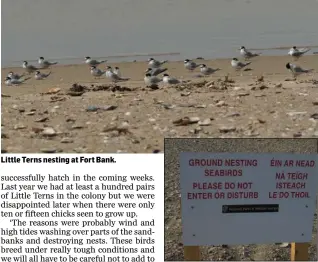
x=244 y=198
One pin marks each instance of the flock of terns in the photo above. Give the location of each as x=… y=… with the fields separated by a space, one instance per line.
x=151 y=77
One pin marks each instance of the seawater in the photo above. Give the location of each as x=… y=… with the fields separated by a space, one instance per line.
x=126 y=30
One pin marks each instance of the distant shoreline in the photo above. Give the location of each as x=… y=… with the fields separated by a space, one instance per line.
x=171 y=56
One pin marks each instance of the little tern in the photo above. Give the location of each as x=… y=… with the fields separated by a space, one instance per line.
x=247 y=54
x=9 y=81
x=113 y=77
x=207 y=70
x=93 y=62
x=296 y=53
x=117 y=71
x=153 y=63
x=96 y=71
x=237 y=65
x=44 y=63
x=40 y=76
x=29 y=68
x=151 y=81
x=168 y=80
x=14 y=76
x=190 y=65
x=297 y=70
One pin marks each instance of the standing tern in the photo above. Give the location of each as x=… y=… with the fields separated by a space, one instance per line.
x=113 y=77
x=297 y=70
x=247 y=54
x=156 y=71
x=296 y=53
x=117 y=71
x=40 y=76
x=29 y=68
x=190 y=65
x=237 y=65
x=151 y=81
x=93 y=62
x=14 y=76
x=9 y=81
x=207 y=70
x=96 y=71
x=153 y=63
x=168 y=80
x=44 y=63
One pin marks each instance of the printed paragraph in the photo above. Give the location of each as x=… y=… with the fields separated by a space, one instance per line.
x=78 y=216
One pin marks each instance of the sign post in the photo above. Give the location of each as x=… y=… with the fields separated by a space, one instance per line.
x=299 y=252
x=192 y=253
x=247 y=198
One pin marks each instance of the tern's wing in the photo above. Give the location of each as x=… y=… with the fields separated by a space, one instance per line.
x=297 y=69
x=240 y=64
x=303 y=50
x=193 y=64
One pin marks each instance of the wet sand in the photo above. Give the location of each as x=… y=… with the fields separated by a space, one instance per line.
x=36 y=122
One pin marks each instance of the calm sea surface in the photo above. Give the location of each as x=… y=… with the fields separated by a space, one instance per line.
x=68 y=30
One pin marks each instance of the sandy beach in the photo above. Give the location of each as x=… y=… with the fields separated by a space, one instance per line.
x=43 y=116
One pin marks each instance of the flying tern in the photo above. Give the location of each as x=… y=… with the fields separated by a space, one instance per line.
x=40 y=76
x=190 y=65
x=93 y=62
x=156 y=71
x=153 y=63
x=44 y=63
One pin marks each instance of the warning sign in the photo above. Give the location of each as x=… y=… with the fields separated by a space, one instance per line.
x=241 y=198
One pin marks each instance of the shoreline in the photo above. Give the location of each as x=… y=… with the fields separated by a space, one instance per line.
x=198 y=59
x=174 y=57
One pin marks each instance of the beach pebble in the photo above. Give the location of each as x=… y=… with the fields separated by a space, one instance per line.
x=42 y=119
x=186 y=121
x=77 y=126
x=205 y=122
x=48 y=131
x=19 y=126
x=221 y=103
x=227 y=129
x=243 y=94
x=235 y=114
x=49 y=150
x=67 y=140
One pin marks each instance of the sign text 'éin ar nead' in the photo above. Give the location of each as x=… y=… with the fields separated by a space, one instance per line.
x=287 y=185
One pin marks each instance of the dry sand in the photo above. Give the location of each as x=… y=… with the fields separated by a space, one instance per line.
x=36 y=122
